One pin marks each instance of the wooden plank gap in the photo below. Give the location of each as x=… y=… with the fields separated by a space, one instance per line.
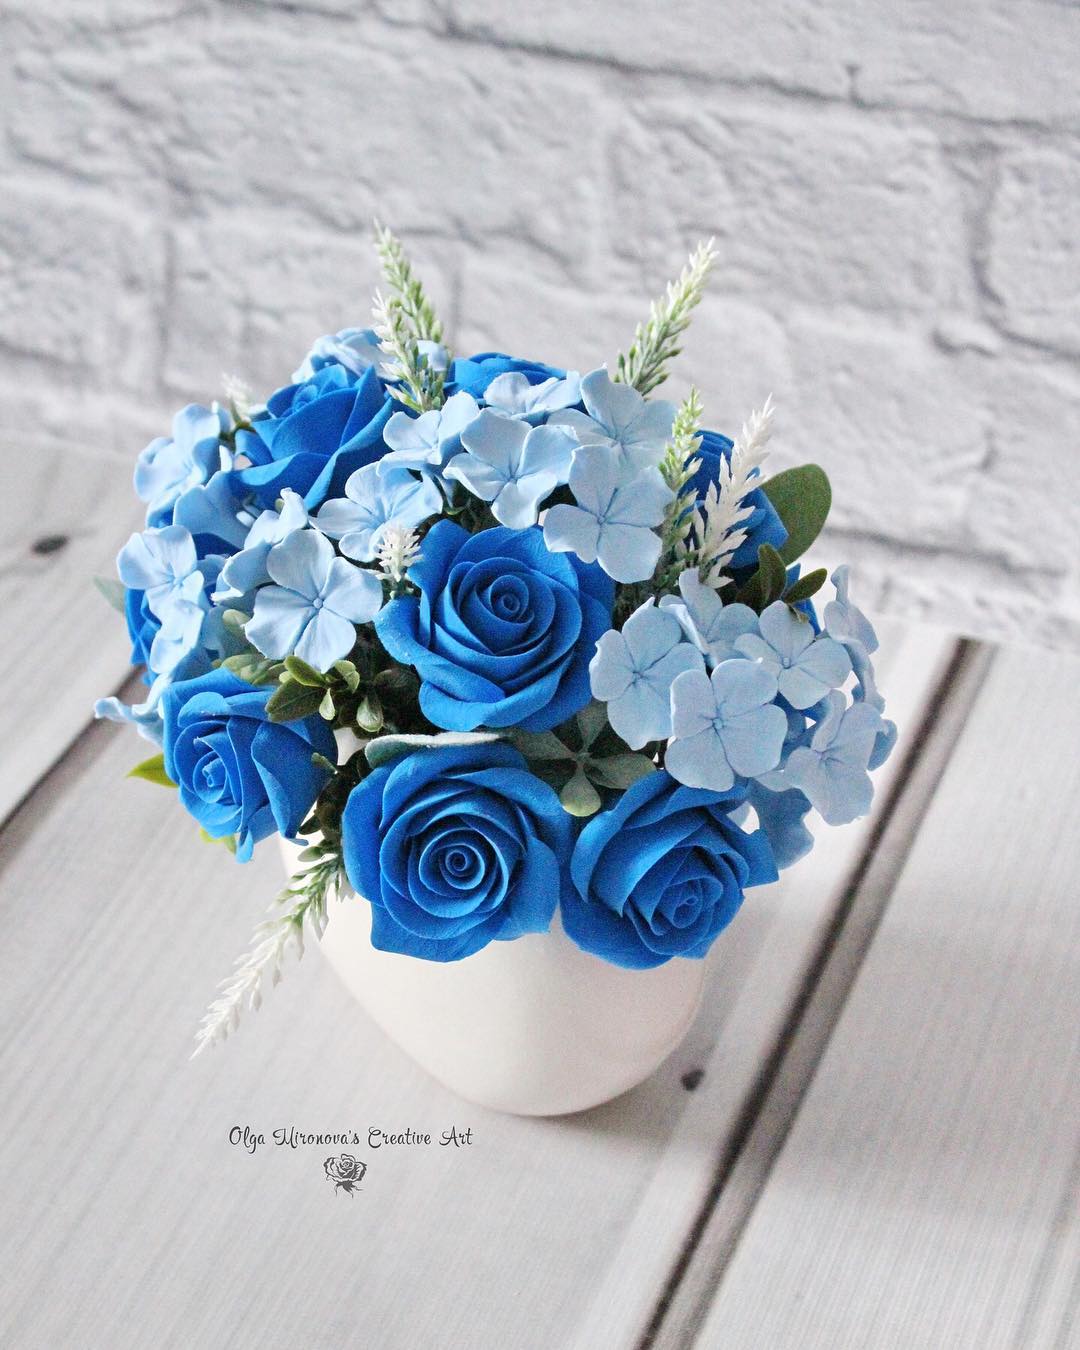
x=786 y=1073
x=132 y=690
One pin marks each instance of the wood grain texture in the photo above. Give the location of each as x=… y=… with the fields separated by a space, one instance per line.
x=132 y=1221
x=805 y=1039
x=63 y=518
x=759 y=984
x=927 y=1193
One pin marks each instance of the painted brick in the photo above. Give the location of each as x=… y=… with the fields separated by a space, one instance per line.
x=824 y=208
x=893 y=188
x=77 y=281
x=249 y=302
x=1032 y=257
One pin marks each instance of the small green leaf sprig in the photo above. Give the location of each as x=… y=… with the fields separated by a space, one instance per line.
x=304 y=902
x=583 y=758
x=403 y=319
x=656 y=342
x=416 y=309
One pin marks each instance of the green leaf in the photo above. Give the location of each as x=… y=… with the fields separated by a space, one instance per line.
x=579 y=797
x=321 y=762
x=385 y=748
x=802 y=498
x=541 y=745
x=291 y=701
x=304 y=674
x=153 y=770
x=326 y=707
x=768 y=582
x=114 y=591
x=229 y=840
x=620 y=771
x=250 y=667
x=397 y=681
x=805 y=587
x=369 y=714
x=349 y=674
x=592 y=720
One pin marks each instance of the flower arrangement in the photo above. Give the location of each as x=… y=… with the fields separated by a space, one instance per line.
x=492 y=639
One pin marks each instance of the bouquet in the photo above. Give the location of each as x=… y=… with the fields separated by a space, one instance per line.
x=492 y=639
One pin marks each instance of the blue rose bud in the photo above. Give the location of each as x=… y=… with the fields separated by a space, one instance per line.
x=661 y=873
x=473 y=374
x=328 y=424
x=239 y=773
x=502 y=632
x=455 y=847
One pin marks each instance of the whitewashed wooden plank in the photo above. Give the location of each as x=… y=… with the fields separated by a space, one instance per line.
x=926 y=1195
x=63 y=517
x=761 y=975
x=115 y=1165
x=746 y=1171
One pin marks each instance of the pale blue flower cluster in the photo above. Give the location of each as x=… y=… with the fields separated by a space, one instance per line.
x=485 y=546
x=314 y=603
x=190 y=457
x=523 y=440
x=738 y=698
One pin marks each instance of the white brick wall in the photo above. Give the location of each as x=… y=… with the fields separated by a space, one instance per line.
x=895 y=191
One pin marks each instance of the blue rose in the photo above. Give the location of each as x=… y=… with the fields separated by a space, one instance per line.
x=329 y=424
x=661 y=873
x=764 y=526
x=473 y=374
x=239 y=773
x=502 y=632
x=455 y=847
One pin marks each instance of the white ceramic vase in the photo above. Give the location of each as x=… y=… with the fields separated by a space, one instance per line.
x=536 y=1026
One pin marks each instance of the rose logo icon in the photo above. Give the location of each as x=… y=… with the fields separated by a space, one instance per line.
x=345 y=1171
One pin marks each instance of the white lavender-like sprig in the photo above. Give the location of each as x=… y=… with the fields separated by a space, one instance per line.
x=718 y=519
x=399 y=549
x=265 y=959
x=238 y=396
x=656 y=341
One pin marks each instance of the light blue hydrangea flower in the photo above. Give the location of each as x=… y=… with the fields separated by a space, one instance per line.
x=844 y=621
x=633 y=670
x=806 y=667
x=145 y=717
x=710 y=625
x=430 y=440
x=614 y=520
x=191 y=456
x=375 y=498
x=163 y=564
x=635 y=430
x=247 y=569
x=850 y=627
x=781 y=815
x=353 y=348
x=178 y=639
x=724 y=725
x=213 y=509
x=884 y=744
x=316 y=602
x=511 y=393
x=832 y=769
x=512 y=465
